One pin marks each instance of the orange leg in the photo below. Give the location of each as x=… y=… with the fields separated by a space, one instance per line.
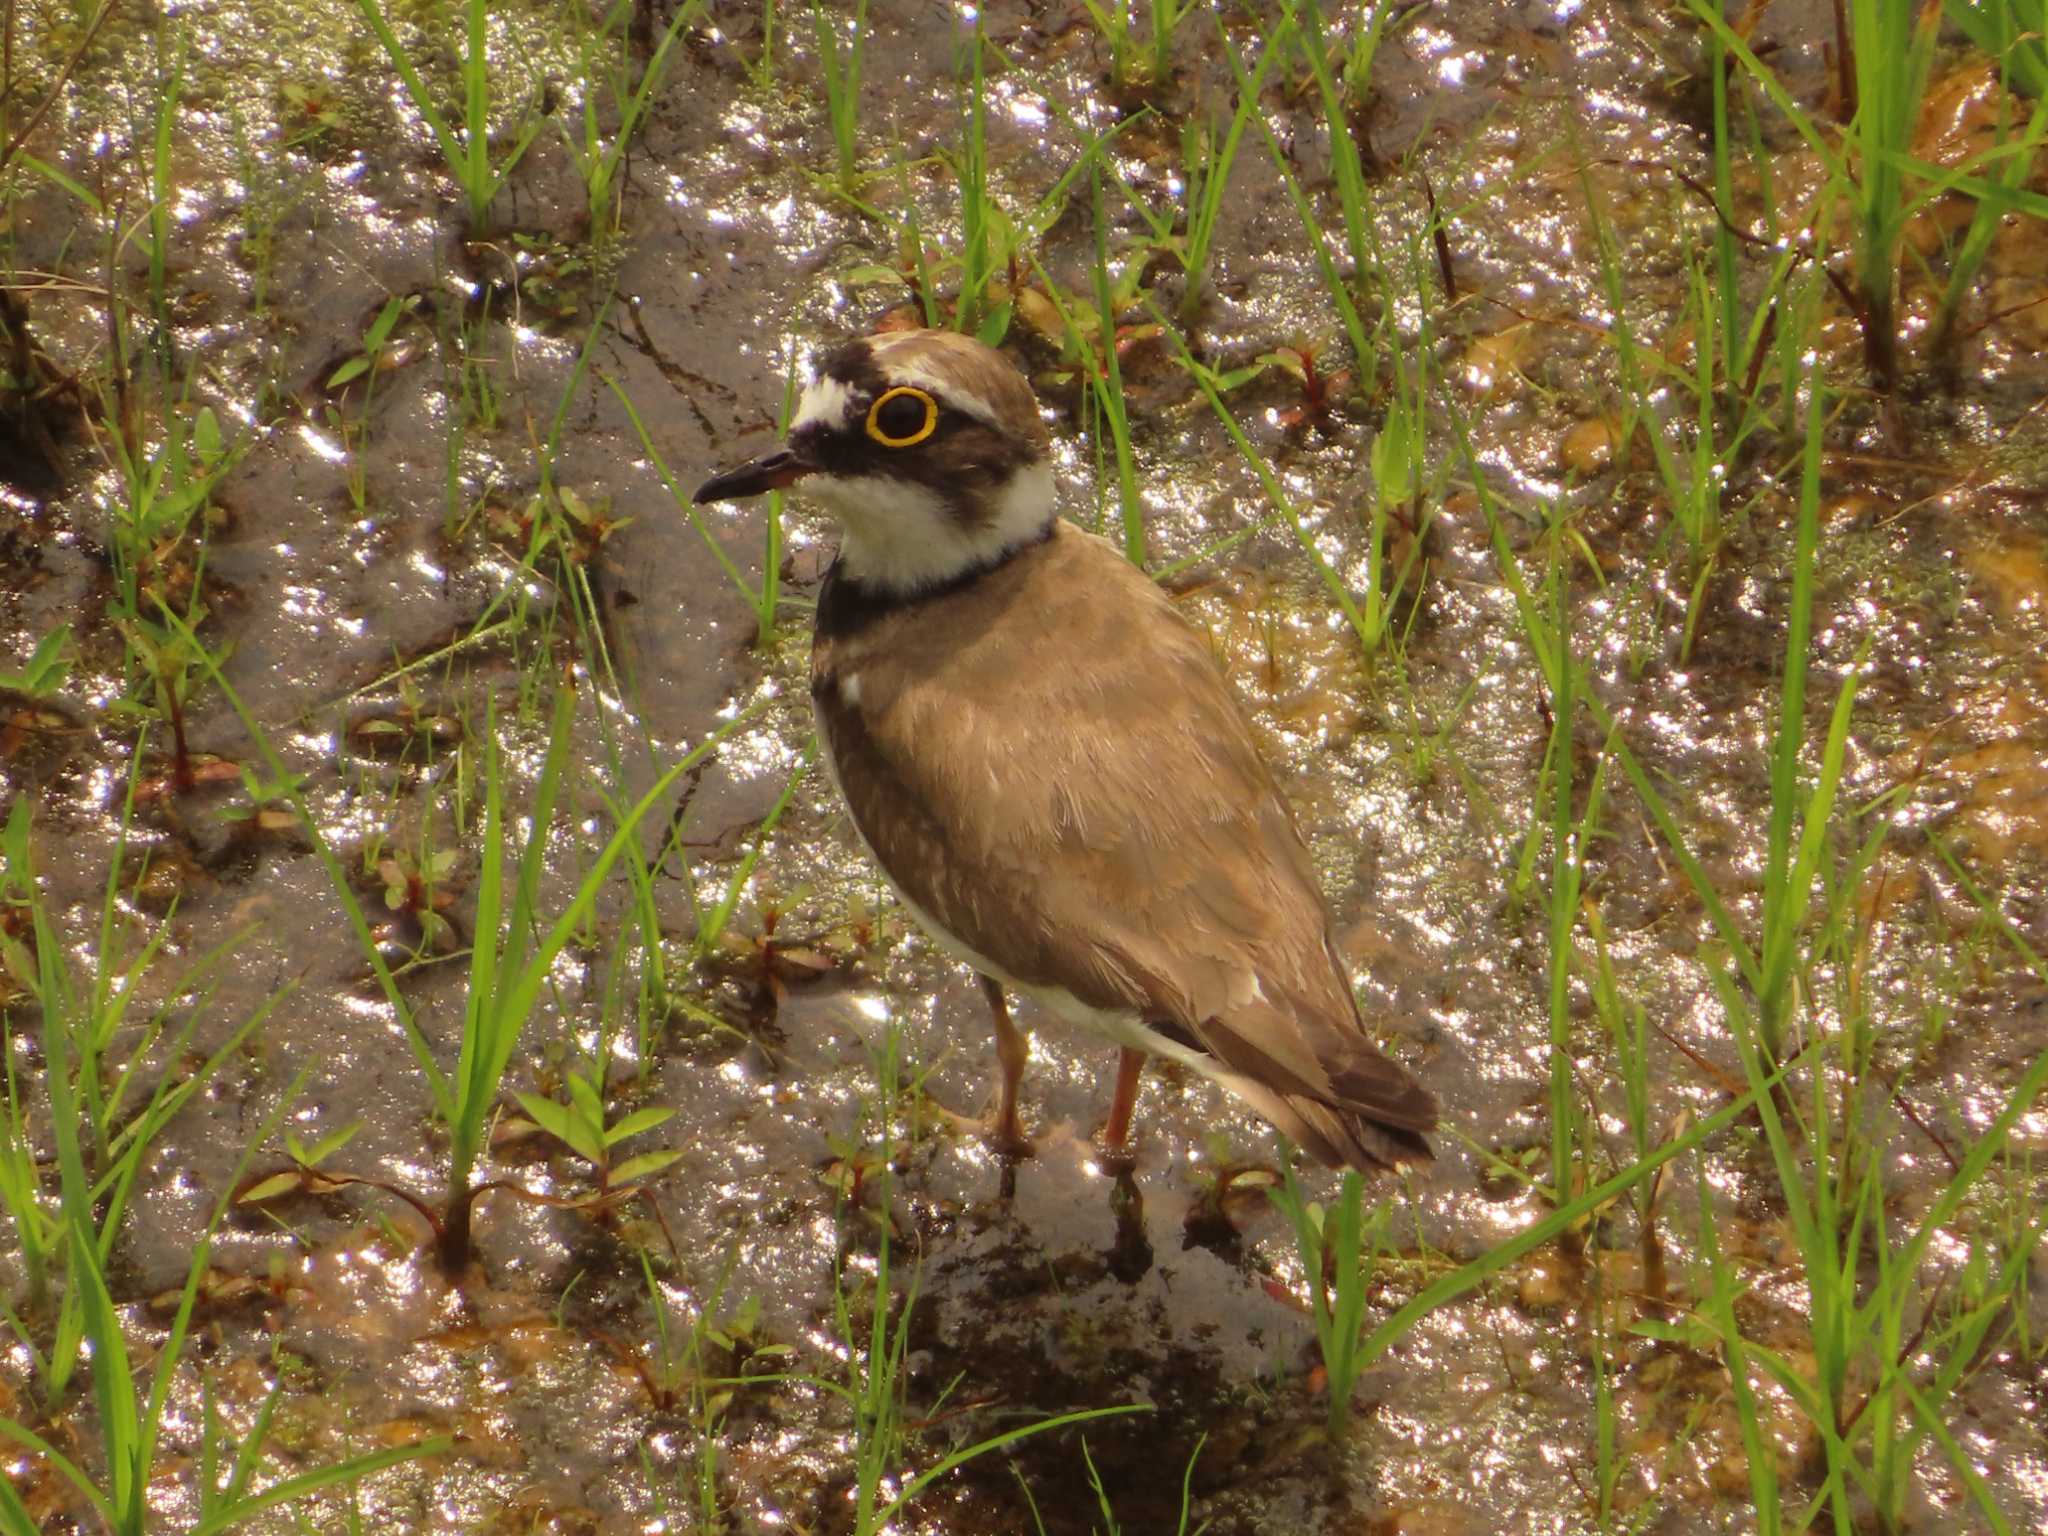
x=1114 y=1135
x=1012 y=1050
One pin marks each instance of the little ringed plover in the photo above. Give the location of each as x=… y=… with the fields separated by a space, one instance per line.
x=1049 y=766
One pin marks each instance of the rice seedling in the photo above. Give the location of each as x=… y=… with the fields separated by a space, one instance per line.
x=2014 y=32
x=877 y=1354
x=1627 y=1026
x=131 y=1421
x=840 y=47
x=711 y=925
x=1206 y=161
x=1890 y=49
x=43 y=675
x=1103 y=1502
x=1329 y=1238
x=507 y=970
x=1091 y=340
x=761 y=68
x=97 y=1045
x=598 y=160
x=1743 y=343
x=1372 y=633
x=1114 y=19
x=1365 y=345
x=1352 y=296
x=1566 y=874
x=1166 y=17
x=465 y=149
x=162 y=191
x=994 y=243
x=1337 y=1246
x=1869 y=1315
x=1693 y=484
x=1106 y=385
x=981 y=234
x=681 y=1369
x=872 y=1324
x=1369 y=31
x=511 y=954
x=1893 y=51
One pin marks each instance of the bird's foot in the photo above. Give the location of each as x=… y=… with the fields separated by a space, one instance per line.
x=1118 y=1157
x=1007 y=1140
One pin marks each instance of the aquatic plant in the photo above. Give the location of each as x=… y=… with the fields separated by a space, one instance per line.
x=582 y=1125
x=1208 y=151
x=1091 y=340
x=465 y=150
x=1336 y=1245
x=1353 y=296
x=49 y=664
x=352 y=427
x=2014 y=32
x=1867 y=1400
x=994 y=243
x=96 y=1038
x=1887 y=52
x=599 y=159
x=839 y=58
x=511 y=953
x=1113 y=19
x=103 y=1124
x=1371 y=628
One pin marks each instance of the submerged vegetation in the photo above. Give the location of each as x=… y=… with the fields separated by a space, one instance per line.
x=455 y=1059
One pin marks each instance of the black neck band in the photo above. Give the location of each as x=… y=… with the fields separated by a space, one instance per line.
x=846 y=604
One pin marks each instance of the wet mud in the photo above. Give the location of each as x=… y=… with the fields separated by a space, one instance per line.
x=383 y=595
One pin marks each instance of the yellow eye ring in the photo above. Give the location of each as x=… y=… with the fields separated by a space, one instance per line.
x=925 y=429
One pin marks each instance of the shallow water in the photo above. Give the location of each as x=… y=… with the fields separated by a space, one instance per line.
x=307 y=194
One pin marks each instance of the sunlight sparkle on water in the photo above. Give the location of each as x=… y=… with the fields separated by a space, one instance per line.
x=322 y=444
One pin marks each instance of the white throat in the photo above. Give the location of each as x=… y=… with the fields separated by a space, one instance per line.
x=899 y=536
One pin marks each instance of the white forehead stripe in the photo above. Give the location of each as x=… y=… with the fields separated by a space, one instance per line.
x=920 y=373
x=941 y=386
x=824 y=400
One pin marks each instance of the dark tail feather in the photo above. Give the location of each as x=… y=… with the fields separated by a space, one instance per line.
x=1337 y=1138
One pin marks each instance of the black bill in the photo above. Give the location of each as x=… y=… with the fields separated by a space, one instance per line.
x=770 y=472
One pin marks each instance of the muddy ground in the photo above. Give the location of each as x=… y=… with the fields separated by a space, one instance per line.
x=383 y=526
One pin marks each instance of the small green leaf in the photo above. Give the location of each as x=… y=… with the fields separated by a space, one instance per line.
x=1392 y=456
x=329 y=1144
x=206 y=433
x=48 y=667
x=562 y=1124
x=638 y=1121
x=647 y=1162
x=381 y=328
x=1236 y=378
x=588 y=1105
x=271 y=1188
x=354 y=368
x=995 y=326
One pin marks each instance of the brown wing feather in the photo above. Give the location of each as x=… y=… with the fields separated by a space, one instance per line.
x=1052 y=766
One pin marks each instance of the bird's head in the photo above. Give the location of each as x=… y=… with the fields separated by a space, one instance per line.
x=928 y=449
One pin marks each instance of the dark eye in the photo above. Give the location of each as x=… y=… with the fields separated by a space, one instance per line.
x=903 y=416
